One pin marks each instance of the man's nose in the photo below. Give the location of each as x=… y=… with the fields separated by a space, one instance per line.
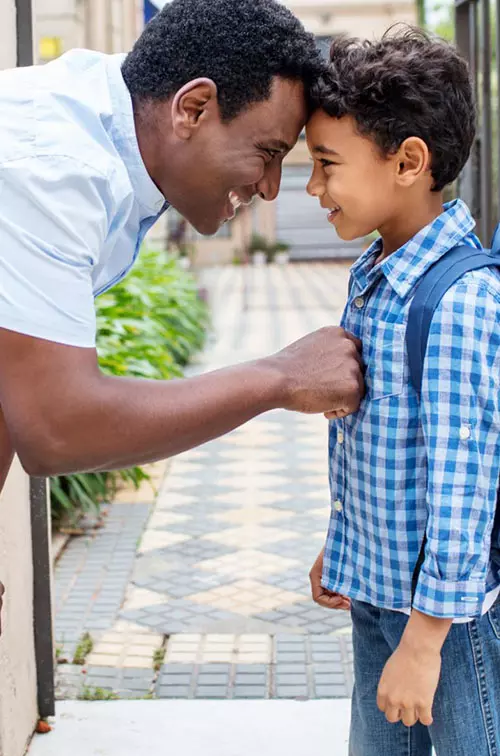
x=269 y=185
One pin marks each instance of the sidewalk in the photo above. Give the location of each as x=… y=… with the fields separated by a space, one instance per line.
x=204 y=593
x=198 y=728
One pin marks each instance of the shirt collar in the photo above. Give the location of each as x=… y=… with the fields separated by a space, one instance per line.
x=408 y=264
x=124 y=138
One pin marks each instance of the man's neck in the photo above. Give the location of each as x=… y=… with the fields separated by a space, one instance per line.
x=408 y=222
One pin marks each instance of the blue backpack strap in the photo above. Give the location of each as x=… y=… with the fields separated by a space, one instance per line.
x=431 y=289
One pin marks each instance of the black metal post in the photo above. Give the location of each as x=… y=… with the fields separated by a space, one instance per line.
x=42 y=596
x=40 y=519
x=486 y=131
x=24 y=32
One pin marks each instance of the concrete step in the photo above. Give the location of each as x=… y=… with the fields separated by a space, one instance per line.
x=197 y=728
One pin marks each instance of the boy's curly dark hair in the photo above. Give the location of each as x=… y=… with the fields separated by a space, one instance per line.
x=240 y=45
x=406 y=84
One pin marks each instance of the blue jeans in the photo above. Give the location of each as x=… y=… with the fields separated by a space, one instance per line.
x=466 y=709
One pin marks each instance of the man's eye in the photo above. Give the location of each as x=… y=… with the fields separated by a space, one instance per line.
x=327 y=163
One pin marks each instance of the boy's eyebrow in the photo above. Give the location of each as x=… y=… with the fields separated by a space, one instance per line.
x=324 y=150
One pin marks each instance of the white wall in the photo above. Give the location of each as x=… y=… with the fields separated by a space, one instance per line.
x=18 y=692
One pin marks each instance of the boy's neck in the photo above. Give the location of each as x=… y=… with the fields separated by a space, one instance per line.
x=406 y=223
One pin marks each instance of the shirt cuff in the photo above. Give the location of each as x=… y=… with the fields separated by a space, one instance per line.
x=449 y=598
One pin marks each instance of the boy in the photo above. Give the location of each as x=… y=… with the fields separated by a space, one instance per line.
x=394 y=125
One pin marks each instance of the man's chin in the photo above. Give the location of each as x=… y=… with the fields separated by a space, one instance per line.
x=208 y=226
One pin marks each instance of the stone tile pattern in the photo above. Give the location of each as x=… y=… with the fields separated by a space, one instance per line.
x=252 y=511
x=287 y=666
x=221 y=567
x=92 y=574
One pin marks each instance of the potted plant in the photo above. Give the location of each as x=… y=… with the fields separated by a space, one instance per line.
x=258 y=249
x=282 y=252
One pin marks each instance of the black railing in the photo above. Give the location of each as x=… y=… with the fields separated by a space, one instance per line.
x=479 y=183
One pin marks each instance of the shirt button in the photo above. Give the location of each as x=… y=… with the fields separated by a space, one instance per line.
x=464 y=433
x=359 y=302
x=340 y=437
x=337 y=505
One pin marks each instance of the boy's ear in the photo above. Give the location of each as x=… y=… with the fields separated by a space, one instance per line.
x=413 y=160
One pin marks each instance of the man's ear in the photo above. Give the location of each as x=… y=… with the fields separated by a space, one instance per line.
x=412 y=161
x=191 y=105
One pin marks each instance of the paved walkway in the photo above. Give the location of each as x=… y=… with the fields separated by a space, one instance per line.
x=217 y=596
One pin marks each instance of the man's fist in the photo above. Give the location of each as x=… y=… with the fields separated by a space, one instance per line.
x=321 y=372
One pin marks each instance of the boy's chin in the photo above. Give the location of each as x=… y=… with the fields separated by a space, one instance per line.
x=349 y=235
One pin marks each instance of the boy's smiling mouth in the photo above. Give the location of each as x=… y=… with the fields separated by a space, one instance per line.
x=333 y=213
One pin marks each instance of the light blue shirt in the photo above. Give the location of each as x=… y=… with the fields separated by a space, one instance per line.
x=75 y=198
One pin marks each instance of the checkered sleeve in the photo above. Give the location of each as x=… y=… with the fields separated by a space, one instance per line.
x=461 y=425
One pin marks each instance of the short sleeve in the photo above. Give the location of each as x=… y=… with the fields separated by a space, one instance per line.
x=54 y=219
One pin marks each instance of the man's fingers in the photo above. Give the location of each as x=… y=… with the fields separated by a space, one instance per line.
x=356 y=341
x=335 y=414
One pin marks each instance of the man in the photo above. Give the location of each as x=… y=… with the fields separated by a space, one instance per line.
x=93 y=149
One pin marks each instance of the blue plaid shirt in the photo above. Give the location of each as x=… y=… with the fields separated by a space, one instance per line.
x=397 y=466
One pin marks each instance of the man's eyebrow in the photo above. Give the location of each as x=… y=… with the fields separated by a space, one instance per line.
x=324 y=150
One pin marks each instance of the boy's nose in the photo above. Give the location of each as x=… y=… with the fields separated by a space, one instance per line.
x=314 y=188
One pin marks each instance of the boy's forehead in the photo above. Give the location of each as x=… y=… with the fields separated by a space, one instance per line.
x=324 y=133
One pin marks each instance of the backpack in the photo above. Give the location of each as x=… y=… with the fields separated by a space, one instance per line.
x=430 y=290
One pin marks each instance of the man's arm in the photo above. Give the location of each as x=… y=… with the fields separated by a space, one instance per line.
x=64 y=415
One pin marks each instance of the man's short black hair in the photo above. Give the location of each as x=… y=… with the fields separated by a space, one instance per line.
x=240 y=44
x=406 y=84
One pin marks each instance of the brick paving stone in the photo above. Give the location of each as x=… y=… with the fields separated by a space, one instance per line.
x=250 y=691
x=211 y=691
x=173 y=691
x=331 y=691
x=292 y=691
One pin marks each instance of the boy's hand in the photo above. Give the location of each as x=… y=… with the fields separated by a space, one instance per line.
x=320 y=595
x=407 y=686
x=410 y=677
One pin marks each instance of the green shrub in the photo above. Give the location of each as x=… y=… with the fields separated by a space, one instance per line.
x=148 y=326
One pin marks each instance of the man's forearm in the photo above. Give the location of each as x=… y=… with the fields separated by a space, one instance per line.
x=120 y=422
x=64 y=415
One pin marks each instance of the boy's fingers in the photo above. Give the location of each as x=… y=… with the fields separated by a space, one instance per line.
x=393 y=714
x=409 y=717
x=425 y=715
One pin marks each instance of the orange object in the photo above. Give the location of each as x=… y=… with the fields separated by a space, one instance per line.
x=43 y=727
